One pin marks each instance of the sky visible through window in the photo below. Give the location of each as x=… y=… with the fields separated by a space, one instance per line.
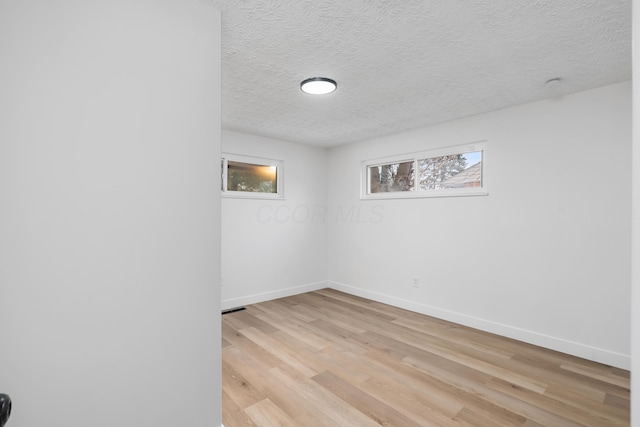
x=473 y=158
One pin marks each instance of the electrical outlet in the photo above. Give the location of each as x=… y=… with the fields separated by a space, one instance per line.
x=415 y=282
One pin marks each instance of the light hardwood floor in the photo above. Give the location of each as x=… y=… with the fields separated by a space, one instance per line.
x=326 y=358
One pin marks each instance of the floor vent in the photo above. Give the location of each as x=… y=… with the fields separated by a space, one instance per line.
x=232 y=310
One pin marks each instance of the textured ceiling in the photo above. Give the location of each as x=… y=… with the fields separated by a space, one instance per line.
x=405 y=64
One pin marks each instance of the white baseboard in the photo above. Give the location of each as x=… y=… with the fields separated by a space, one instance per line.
x=595 y=354
x=229 y=303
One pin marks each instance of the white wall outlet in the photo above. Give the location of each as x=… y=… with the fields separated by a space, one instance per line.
x=415 y=282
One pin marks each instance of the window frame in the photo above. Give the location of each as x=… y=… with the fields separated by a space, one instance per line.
x=261 y=161
x=365 y=179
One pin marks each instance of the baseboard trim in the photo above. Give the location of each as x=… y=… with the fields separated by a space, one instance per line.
x=595 y=354
x=271 y=295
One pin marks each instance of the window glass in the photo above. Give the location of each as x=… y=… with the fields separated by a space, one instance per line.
x=246 y=176
x=452 y=171
x=391 y=177
x=251 y=177
x=449 y=171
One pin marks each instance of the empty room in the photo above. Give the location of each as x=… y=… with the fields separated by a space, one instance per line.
x=319 y=213
x=444 y=237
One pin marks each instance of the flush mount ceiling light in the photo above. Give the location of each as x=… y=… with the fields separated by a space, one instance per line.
x=318 y=86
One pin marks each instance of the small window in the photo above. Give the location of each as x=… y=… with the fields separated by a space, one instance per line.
x=245 y=176
x=452 y=171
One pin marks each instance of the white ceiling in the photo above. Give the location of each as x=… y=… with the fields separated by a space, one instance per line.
x=405 y=64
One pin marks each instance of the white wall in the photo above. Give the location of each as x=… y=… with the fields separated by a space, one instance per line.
x=635 y=266
x=543 y=258
x=275 y=248
x=109 y=216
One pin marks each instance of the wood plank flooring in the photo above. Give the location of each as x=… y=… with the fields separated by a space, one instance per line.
x=326 y=358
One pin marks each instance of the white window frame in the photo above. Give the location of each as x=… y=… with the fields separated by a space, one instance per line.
x=365 y=179
x=278 y=164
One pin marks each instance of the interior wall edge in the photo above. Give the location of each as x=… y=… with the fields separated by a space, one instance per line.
x=584 y=351
x=635 y=220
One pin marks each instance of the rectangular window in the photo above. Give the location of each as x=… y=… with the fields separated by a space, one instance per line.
x=253 y=177
x=451 y=171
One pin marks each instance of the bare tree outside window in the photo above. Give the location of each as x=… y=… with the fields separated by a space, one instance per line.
x=455 y=173
x=437 y=172
x=391 y=177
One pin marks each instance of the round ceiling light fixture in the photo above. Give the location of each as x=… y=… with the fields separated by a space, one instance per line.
x=318 y=86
